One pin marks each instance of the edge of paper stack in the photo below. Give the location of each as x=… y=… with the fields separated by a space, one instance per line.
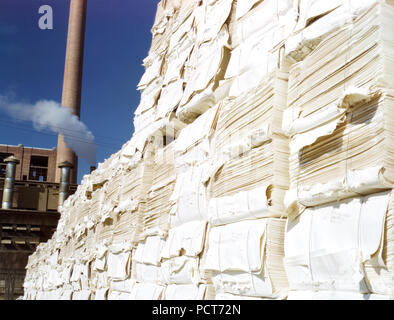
x=261 y=166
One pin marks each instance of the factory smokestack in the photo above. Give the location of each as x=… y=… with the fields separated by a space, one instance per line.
x=72 y=82
x=65 y=169
x=9 y=182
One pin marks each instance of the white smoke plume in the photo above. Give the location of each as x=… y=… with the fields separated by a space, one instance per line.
x=47 y=114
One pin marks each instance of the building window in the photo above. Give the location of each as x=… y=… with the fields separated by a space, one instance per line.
x=3 y=165
x=38 y=168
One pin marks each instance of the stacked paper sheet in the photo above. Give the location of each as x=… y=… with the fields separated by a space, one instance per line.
x=132 y=202
x=208 y=59
x=338 y=249
x=257 y=31
x=185 y=62
x=251 y=155
x=173 y=263
x=98 y=274
x=251 y=118
x=156 y=216
x=185 y=243
x=146 y=261
x=379 y=276
x=255 y=266
x=180 y=263
x=192 y=152
x=118 y=270
x=339 y=115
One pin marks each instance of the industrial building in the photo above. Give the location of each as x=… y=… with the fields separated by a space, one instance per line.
x=34 y=182
x=36 y=164
x=29 y=210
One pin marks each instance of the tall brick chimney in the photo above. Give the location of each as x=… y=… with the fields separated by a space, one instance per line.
x=72 y=82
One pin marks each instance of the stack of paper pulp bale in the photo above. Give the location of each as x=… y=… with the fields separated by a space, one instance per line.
x=340 y=120
x=185 y=245
x=261 y=166
x=246 y=189
x=246 y=185
x=257 y=30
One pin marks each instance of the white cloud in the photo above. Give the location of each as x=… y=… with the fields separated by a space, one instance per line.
x=50 y=115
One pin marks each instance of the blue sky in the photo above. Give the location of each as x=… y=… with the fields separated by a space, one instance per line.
x=117 y=39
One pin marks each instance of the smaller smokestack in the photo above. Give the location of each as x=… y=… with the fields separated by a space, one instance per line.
x=64 y=181
x=92 y=168
x=9 y=182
